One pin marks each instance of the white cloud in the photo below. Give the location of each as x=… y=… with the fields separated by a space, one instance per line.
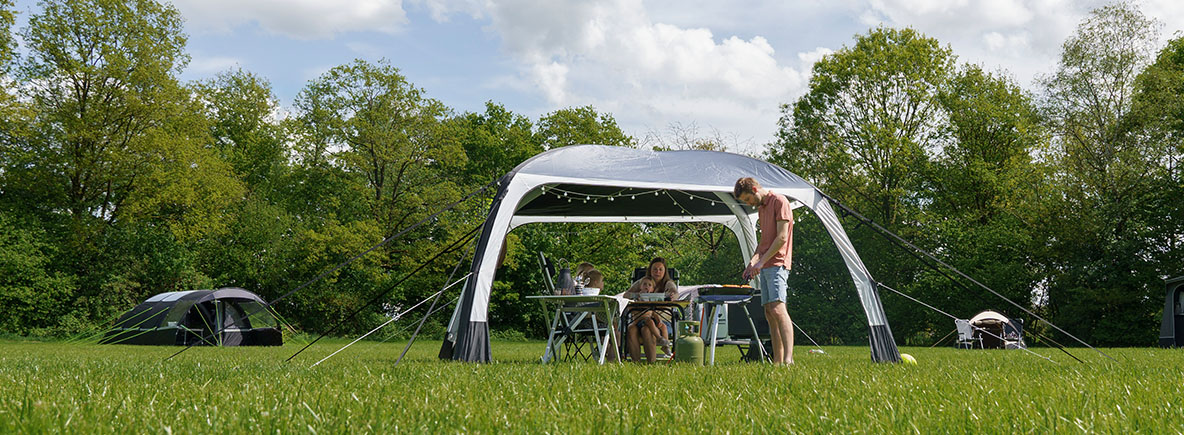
x=207 y=65
x=649 y=74
x=1023 y=37
x=300 y=19
x=810 y=57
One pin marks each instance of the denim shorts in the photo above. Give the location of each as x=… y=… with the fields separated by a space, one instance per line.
x=773 y=284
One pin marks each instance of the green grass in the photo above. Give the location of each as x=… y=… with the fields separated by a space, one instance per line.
x=51 y=387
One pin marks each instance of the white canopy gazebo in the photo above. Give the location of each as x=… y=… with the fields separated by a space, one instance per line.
x=596 y=183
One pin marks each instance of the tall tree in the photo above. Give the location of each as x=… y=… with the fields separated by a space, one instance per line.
x=864 y=133
x=868 y=119
x=10 y=123
x=367 y=118
x=113 y=159
x=1102 y=280
x=984 y=191
x=495 y=141
x=1158 y=113
x=245 y=128
x=113 y=126
x=579 y=126
x=7 y=42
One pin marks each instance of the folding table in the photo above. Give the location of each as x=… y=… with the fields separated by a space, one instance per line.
x=608 y=306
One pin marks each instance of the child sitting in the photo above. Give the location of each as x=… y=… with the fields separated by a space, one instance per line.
x=645 y=328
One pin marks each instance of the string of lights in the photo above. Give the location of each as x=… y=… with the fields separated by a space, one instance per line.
x=585 y=197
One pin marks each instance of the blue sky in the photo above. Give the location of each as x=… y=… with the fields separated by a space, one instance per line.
x=721 y=66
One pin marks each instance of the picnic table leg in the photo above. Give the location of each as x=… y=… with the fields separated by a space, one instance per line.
x=550 y=351
x=713 y=309
x=611 y=319
x=598 y=346
x=760 y=346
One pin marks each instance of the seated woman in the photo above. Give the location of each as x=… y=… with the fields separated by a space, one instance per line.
x=648 y=328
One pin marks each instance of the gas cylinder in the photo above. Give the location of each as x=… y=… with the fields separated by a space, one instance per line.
x=688 y=347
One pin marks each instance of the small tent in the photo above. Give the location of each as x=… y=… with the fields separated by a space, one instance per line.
x=998 y=331
x=596 y=183
x=223 y=317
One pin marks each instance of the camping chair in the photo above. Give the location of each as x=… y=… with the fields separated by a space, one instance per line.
x=966 y=336
x=639 y=273
x=548 y=269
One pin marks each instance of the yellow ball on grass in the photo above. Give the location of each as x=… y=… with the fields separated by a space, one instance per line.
x=908 y=359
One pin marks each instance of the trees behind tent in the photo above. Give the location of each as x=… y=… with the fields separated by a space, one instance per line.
x=1065 y=199
x=147 y=184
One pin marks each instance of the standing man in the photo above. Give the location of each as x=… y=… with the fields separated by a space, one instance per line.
x=772 y=261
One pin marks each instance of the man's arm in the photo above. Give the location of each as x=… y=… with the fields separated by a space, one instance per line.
x=760 y=258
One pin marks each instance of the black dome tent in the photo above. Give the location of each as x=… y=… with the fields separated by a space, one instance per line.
x=224 y=317
x=596 y=183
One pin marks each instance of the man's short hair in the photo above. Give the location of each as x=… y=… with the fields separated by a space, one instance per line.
x=746 y=184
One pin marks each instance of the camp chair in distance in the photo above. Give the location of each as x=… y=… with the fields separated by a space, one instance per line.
x=966 y=337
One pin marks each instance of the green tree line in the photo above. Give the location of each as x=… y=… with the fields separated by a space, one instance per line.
x=119 y=181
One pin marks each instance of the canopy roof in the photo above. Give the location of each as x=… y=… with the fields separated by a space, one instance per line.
x=596 y=183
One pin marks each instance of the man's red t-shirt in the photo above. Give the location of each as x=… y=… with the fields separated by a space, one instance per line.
x=775 y=208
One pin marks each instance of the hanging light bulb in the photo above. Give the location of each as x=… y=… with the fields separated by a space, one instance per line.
x=655 y=193
x=610 y=198
x=586 y=198
x=632 y=197
x=569 y=200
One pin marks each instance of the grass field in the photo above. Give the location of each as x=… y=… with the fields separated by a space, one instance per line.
x=51 y=387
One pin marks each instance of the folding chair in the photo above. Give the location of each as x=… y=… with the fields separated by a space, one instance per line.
x=966 y=336
x=547 y=267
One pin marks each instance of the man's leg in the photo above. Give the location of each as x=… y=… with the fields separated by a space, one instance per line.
x=785 y=328
x=774 y=330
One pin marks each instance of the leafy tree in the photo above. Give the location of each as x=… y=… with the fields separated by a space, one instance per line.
x=864 y=133
x=114 y=129
x=10 y=122
x=1158 y=113
x=32 y=294
x=245 y=129
x=495 y=141
x=871 y=113
x=387 y=132
x=1101 y=283
x=7 y=43
x=578 y=126
x=985 y=192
